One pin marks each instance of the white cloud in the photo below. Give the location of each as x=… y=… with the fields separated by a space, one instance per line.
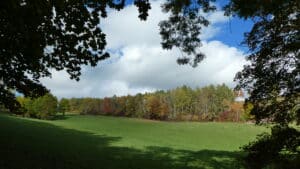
x=124 y=27
x=139 y=64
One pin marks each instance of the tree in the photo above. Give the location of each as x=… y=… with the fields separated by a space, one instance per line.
x=272 y=78
x=74 y=105
x=90 y=106
x=39 y=36
x=65 y=35
x=153 y=107
x=64 y=106
x=183 y=101
x=201 y=103
x=209 y=102
x=223 y=94
x=107 y=106
x=26 y=106
x=236 y=109
x=247 y=111
x=140 y=105
x=130 y=106
x=45 y=107
x=121 y=106
x=183 y=27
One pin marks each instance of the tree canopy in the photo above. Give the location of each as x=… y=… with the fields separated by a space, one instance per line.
x=272 y=79
x=44 y=107
x=38 y=36
x=181 y=103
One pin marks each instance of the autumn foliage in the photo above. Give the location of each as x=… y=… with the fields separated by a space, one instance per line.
x=210 y=103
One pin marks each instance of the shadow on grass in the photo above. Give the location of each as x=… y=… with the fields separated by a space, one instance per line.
x=26 y=144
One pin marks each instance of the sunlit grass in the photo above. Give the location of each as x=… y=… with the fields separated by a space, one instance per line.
x=111 y=142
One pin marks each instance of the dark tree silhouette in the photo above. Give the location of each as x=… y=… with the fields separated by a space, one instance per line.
x=183 y=27
x=38 y=36
x=272 y=78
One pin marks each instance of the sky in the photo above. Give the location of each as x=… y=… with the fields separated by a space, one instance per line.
x=138 y=64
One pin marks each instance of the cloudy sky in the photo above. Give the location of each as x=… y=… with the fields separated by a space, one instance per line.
x=139 y=64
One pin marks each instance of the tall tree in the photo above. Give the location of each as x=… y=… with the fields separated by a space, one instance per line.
x=183 y=101
x=45 y=107
x=273 y=77
x=64 y=106
x=223 y=94
x=153 y=106
x=39 y=35
x=140 y=105
x=107 y=107
x=211 y=106
x=130 y=105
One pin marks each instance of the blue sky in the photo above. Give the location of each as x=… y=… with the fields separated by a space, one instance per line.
x=139 y=64
x=232 y=31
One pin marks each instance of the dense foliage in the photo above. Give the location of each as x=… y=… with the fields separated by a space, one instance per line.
x=211 y=103
x=38 y=36
x=272 y=78
x=65 y=35
x=183 y=28
x=280 y=149
x=44 y=107
x=63 y=106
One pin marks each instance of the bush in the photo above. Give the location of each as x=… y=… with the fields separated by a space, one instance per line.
x=277 y=150
x=44 y=107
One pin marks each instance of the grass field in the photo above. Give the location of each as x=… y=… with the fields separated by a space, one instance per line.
x=95 y=142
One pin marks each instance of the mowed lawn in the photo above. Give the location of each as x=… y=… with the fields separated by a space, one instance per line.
x=95 y=142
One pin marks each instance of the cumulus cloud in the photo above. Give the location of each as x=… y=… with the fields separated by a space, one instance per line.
x=139 y=64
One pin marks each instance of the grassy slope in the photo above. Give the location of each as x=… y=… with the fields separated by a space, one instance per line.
x=108 y=142
x=139 y=133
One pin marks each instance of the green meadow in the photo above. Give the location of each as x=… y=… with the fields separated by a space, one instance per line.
x=95 y=142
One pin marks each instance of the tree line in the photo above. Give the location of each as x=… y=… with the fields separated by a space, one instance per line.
x=210 y=103
x=273 y=43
